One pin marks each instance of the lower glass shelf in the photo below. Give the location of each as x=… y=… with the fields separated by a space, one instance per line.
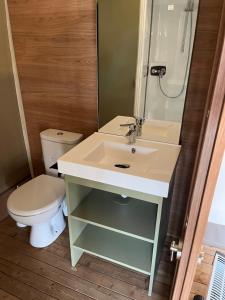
x=127 y=251
x=135 y=218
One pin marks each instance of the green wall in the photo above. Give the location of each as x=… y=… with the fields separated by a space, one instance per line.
x=118 y=23
x=13 y=157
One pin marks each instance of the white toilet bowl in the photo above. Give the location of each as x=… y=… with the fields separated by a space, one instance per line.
x=39 y=204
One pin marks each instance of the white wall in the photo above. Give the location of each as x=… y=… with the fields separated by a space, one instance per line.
x=215 y=230
x=166 y=41
x=217 y=211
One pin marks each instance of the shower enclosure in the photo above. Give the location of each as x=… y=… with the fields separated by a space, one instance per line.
x=166 y=61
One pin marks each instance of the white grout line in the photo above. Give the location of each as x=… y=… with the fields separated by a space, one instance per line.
x=18 y=91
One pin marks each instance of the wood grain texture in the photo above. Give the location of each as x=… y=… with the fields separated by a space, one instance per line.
x=196 y=103
x=5 y=296
x=208 y=159
x=55 y=48
x=46 y=273
x=206 y=197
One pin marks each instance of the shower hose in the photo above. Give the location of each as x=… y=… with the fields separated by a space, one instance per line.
x=186 y=69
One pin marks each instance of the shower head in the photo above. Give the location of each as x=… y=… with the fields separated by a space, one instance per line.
x=190 y=6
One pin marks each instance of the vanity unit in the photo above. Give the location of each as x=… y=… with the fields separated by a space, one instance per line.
x=116 y=196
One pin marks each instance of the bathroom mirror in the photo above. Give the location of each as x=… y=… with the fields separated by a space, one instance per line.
x=144 y=55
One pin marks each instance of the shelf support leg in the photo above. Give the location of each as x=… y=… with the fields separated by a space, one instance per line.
x=155 y=247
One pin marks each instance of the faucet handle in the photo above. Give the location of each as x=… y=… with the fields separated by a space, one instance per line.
x=131 y=134
x=130 y=125
x=139 y=120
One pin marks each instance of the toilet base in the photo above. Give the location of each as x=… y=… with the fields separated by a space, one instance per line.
x=43 y=234
x=20 y=225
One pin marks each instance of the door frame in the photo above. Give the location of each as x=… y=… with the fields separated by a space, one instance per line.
x=207 y=165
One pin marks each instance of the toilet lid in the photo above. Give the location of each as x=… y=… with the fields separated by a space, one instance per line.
x=36 y=196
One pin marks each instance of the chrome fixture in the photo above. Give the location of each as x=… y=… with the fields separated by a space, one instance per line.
x=188 y=9
x=175 y=249
x=139 y=122
x=132 y=133
x=135 y=129
x=190 y=6
x=133 y=150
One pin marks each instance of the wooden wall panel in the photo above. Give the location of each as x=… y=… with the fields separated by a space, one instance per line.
x=55 y=47
x=198 y=88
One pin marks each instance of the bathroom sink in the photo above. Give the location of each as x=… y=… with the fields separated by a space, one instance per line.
x=153 y=130
x=145 y=166
x=120 y=155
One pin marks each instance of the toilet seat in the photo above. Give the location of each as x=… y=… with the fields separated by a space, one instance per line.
x=36 y=196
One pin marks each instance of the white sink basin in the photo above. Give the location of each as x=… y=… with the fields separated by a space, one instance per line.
x=108 y=154
x=145 y=167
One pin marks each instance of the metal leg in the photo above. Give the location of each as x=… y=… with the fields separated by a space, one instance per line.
x=155 y=247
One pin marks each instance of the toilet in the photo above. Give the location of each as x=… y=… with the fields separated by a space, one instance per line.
x=40 y=202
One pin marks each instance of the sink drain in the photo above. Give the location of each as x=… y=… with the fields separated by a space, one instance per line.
x=122 y=166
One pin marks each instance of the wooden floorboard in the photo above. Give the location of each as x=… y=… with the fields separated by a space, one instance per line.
x=30 y=273
x=20 y=290
x=7 y=296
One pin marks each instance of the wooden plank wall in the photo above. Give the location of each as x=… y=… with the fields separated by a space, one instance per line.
x=55 y=47
x=200 y=73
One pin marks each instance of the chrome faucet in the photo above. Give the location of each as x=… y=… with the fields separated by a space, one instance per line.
x=135 y=129
x=132 y=133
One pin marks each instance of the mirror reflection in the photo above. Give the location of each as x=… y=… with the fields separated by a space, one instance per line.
x=118 y=23
x=144 y=49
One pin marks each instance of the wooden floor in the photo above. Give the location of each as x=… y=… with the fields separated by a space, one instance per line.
x=204 y=271
x=30 y=273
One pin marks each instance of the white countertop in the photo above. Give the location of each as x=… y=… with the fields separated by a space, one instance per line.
x=151 y=166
